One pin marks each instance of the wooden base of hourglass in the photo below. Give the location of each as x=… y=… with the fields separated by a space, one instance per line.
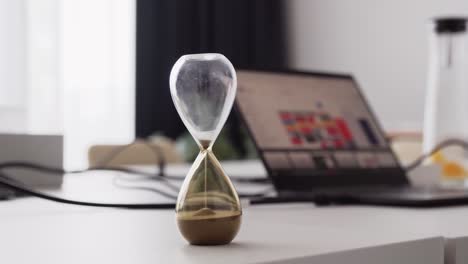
x=208 y=209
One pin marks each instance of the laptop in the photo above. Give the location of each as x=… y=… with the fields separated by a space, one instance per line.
x=320 y=141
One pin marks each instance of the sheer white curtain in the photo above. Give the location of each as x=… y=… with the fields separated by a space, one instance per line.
x=67 y=67
x=12 y=66
x=97 y=39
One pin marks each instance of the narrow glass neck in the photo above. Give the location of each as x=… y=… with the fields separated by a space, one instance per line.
x=205 y=144
x=448 y=49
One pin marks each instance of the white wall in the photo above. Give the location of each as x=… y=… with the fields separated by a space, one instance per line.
x=383 y=43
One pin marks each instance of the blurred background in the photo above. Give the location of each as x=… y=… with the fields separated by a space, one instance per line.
x=97 y=71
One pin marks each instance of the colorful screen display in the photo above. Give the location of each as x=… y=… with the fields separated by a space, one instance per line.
x=311 y=122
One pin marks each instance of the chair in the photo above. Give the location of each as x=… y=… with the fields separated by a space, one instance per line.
x=140 y=152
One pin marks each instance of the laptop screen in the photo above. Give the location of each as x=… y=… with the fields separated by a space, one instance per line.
x=311 y=123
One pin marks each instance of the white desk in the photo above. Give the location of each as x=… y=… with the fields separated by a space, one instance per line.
x=36 y=231
x=282 y=234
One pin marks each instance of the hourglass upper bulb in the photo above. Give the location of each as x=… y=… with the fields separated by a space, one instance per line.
x=203 y=88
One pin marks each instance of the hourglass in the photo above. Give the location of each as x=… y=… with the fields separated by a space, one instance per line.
x=203 y=88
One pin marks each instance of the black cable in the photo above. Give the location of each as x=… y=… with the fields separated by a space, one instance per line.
x=19 y=164
x=438 y=147
x=167 y=183
x=27 y=165
x=160 y=176
x=237 y=179
x=42 y=168
x=161 y=162
x=240 y=194
x=33 y=166
x=68 y=201
x=4 y=182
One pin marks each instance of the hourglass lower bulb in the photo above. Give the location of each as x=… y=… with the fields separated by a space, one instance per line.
x=203 y=88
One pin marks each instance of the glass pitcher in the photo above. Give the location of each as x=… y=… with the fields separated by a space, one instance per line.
x=446 y=110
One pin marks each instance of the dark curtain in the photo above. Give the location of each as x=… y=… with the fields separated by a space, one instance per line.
x=250 y=33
